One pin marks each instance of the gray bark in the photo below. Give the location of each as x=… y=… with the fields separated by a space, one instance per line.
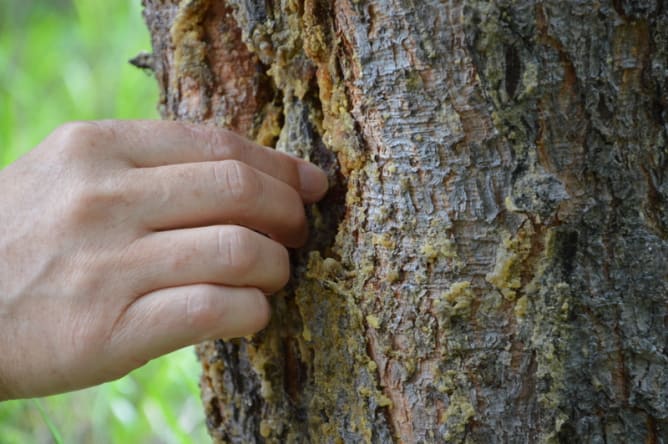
x=490 y=264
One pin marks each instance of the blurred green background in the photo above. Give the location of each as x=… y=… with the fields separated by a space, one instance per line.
x=63 y=60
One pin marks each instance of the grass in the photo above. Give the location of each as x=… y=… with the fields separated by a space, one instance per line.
x=66 y=60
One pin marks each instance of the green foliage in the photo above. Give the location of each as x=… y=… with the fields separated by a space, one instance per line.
x=158 y=403
x=55 y=433
x=64 y=60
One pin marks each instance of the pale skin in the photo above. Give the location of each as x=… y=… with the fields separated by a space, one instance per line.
x=121 y=241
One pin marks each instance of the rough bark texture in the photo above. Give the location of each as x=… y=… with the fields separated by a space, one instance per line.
x=491 y=262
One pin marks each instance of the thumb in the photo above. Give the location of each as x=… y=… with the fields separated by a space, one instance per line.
x=166 y=320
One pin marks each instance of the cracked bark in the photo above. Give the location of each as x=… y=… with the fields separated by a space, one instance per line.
x=490 y=263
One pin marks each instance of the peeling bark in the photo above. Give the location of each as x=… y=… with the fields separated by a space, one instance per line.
x=490 y=264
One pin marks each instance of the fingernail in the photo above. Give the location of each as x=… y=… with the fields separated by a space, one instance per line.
x=312 y=181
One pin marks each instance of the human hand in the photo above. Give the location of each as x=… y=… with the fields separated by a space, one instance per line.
x=121 y=241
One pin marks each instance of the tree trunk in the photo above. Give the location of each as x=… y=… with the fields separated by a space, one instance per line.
x=491 y=263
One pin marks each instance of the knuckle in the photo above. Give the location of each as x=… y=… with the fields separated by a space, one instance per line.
x=79 y=138
x=220 y=144
x=255 y=316
x=237 y=249
x=82 y=205
x=77 y=130
x=239 y=182
x=94 y=200
x=87 y=280
x=203 y=307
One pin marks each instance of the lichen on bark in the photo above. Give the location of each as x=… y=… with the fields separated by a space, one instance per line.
x=489 y=265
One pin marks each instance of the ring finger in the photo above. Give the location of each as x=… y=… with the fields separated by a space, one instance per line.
x=224 y=255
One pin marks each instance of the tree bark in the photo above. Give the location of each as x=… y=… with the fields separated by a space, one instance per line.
x=491 y=262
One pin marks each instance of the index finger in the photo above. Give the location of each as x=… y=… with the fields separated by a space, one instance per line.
x=155 y=143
